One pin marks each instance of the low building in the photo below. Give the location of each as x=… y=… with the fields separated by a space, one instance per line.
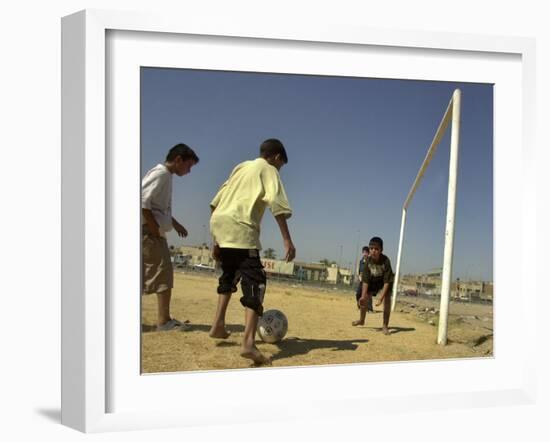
x=468 y=290
x=339 y=275
x=197 y=255
x=278 y=267
x=346 y=276
x=201 y=257
x=487 y=291
x=429 y=283
x=306 y=271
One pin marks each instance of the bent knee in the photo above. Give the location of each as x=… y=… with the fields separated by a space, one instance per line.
x=253 y=296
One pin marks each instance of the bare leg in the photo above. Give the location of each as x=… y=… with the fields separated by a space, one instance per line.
x=362 y=315
x=163 y=312
x=218 y=326
x=387 y=311
x=249 y=349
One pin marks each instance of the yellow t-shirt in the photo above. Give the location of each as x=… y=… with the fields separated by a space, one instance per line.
x=241 y=201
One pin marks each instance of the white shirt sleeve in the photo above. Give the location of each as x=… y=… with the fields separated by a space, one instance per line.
x=156 y=196
x=149 y=188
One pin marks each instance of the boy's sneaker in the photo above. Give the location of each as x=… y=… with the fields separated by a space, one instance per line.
x=174 y=324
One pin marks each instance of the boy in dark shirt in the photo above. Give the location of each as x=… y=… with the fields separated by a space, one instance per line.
x=377 y=278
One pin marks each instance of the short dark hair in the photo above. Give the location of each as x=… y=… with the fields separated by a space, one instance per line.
x=183 y=151
x=365 y=249
x=377 y=241
x=272 y=147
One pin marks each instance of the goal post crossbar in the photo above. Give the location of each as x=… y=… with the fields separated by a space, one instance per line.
x=440 y=132
x=451 y=115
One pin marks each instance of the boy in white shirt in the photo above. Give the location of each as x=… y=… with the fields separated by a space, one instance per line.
x=156 y=210
x=237 y=211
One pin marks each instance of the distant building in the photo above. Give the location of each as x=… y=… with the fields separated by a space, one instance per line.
x=468 y=290
x=278 y=267
x=429 y=283
x=307 y=271
x=346 y=276
x=196 y=255
x=487 y=292
x=339 y=275
x=201 y=257
x=302 y=271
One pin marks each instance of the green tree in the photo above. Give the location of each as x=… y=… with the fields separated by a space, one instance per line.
x=326 y=262
x=270 y=253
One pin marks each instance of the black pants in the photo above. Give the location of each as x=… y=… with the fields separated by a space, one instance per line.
x=243 y=265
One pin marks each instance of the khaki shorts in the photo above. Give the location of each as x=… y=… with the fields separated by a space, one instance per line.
x=157 y=274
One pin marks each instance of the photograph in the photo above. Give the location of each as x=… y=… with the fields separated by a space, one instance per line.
x=271 y=212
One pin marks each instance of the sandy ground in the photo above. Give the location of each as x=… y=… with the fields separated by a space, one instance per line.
x=319 y=331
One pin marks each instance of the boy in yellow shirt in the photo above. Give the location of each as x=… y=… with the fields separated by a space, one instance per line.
x=237 y=211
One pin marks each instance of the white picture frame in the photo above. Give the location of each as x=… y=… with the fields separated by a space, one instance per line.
x=86 y=207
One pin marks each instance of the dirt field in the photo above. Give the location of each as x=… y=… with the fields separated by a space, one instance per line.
x=319 y=330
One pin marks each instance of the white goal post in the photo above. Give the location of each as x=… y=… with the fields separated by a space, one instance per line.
x=452 y=114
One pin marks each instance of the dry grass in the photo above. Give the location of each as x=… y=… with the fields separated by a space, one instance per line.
x=319 y=333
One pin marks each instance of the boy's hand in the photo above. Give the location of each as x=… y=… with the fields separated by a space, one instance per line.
x=180 y=229
x=152 y=225
x=363 y=301
x=379 y=302
x=290 y=251
x=216 y=252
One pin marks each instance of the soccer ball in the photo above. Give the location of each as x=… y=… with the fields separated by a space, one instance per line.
x=272 y=326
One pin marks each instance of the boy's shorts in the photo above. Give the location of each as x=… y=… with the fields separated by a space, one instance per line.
x=373 y=293
x=157 y=274
x=380 y=291
x=243 y=265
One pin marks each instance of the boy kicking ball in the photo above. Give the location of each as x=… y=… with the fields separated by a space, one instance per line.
x=237 y=211
x=377 y=279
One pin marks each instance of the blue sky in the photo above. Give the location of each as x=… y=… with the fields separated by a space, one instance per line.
x=355 y=146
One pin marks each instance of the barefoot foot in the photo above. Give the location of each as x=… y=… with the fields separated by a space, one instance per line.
x=256 y=356
x=385 y=330
x=219 y=333
x=356 y=323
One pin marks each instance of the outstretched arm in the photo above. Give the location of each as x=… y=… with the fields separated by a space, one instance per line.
x=290 y=250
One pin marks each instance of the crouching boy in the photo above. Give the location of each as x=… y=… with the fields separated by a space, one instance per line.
x=377 y=279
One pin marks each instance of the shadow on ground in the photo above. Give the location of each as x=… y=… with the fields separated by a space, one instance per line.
x=147 y=328
x=223 y=344
x=395 y=330
x=296 y=346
